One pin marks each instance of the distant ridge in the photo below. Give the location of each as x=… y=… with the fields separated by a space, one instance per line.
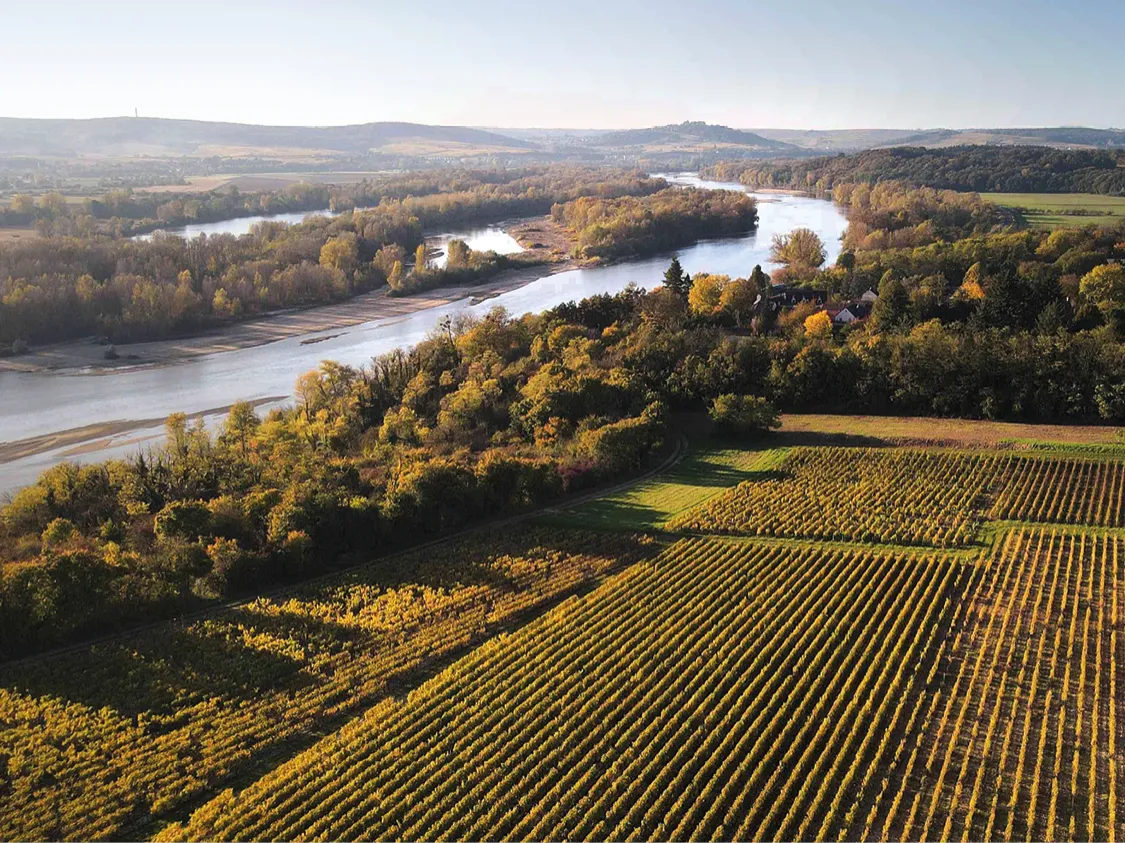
x=690 y=143
x=1061 y=136
x=851 y=140
x=160 y=136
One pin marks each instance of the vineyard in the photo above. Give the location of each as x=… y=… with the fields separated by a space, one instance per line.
x=97 y=743
x=1022 y=738
x=851 y=494
x=1064 y=491
x=724 y=690
x=911 y=497
x=853 y=657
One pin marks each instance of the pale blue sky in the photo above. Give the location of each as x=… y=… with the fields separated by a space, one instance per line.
x=792 y=63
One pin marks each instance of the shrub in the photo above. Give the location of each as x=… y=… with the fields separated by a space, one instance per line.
x=744 y=414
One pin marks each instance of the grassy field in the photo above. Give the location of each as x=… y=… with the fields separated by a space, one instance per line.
x=10 y=235
x=1057 y=210
x=907 y=430
x=908 y=629
x=259 y=181
x=706 y=470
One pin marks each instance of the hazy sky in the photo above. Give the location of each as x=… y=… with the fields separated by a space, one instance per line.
x=571 y=63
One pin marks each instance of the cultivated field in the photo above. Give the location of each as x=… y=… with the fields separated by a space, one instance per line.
x=1059 y=210
x=912 y=497
x=886 y=642
x=102 y=742
x=259 y=181
x=724 y=690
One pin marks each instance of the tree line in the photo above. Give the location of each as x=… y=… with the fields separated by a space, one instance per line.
x=124 y=212
x=630 y=225
x=997 y=169
x=64 y=287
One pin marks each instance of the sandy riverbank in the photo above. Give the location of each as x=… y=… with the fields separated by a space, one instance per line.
x=540 y=237
x=94 y=437
x=87 y=355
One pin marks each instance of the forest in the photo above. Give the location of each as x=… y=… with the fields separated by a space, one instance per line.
x=619 y=227
x=480 y=194
x=65 y=287
x=1000 y=169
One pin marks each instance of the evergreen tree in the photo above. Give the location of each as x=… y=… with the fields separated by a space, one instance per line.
x=761 y=281
x=892 y=309
x=676 y=280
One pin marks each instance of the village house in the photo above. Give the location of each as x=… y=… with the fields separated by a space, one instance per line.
x=782 y=295
x=845 y=314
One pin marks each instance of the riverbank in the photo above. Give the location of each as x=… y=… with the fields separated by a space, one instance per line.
x=94 y=437
x=88 y=357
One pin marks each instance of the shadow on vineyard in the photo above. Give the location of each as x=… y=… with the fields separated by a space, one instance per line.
x=812 y=439
x=157 y=719
x=154 y=676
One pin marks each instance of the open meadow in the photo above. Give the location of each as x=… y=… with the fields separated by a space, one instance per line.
x=1062 y=210
x=907 y=631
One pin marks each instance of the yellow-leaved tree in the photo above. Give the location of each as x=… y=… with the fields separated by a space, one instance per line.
x=819 y=325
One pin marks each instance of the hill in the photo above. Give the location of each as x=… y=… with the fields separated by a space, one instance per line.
x=852 y=140
x=1066 y=137
x=691 y=136
x=835 y=140
x=151 y=136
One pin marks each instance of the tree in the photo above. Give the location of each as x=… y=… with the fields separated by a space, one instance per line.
x=892 y=308
x=241 y=424
x=223 y=306
x=760 y=280
x=22 y=203
x=341 y=253
x=971 y=288
x=819 y=325
x=706 y=293
x=457 y=254
x=1006 y=302
x=676 y=280
x=738 y=299
x=53 y=203
x=420 y=262
x=386 y=258
x=1104 y=287
x=801 y=252
x=396 y=280
x=744 y=414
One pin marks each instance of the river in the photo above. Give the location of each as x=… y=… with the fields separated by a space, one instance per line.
x=37 y=404
x=480 y=239
x=237 y=226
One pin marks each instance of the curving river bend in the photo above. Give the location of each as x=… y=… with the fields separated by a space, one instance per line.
x=37 y=404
